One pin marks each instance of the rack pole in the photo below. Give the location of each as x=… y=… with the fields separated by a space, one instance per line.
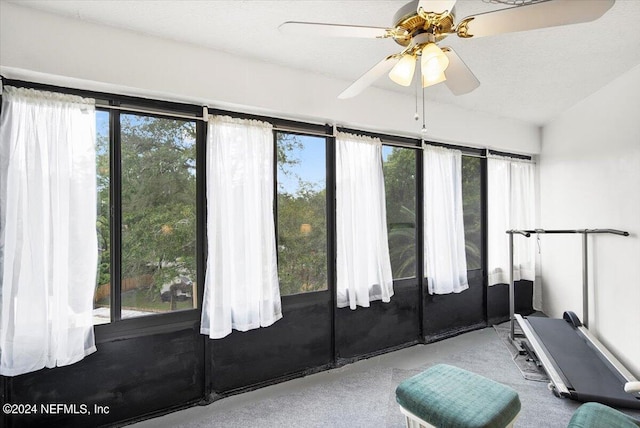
x=512 y=306
x=585 y=280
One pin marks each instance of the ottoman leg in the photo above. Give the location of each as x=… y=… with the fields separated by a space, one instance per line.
x=512 y=423
x=413 y=421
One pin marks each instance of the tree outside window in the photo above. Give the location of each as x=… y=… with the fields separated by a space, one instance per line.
x=158 y=254
x=301 y=213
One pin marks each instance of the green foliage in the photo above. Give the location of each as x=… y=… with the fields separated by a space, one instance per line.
x=158 y=202
x=302 y=242
x=400 y=185
x=302 y=228
x=103 y=223
x=471 y=208
x=402 y=250
x=286 y=148
x=159 y=210
x=399 y=170
x=158 y=199
x=400 y=189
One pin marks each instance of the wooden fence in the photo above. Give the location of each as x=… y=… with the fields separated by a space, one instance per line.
x=104 y=290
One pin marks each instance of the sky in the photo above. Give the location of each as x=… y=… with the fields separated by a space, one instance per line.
x=311 y=166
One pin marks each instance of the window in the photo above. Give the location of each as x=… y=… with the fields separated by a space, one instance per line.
x=147 y=214
x=156 y=208
x=301 y=213
x=399 y=167
x=472 y=210
x=158 y=215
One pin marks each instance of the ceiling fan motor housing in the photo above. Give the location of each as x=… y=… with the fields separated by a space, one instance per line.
x=408 y=22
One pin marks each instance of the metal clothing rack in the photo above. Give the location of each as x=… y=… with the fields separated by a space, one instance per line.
x=585 y=273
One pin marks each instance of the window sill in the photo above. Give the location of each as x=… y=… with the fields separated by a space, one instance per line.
x=147 y=325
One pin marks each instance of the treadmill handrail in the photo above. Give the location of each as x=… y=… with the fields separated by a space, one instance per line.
x=528 y=232
x=585 y=280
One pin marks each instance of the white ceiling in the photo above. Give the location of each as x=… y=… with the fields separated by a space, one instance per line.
x=531 y=76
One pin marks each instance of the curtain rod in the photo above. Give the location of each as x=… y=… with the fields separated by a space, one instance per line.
x=275 y=128
x=202 y=118
x=278 y=128
x=148 y=111
x=511 y=158
x=299 y=131
x=205 y=113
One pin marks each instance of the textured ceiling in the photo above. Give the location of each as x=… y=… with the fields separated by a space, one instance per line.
x=531 y=76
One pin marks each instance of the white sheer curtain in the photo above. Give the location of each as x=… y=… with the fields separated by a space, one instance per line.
x=48 y=239
x=445 y=260
x=363 y=263
x=241 y=286
x=511 y=199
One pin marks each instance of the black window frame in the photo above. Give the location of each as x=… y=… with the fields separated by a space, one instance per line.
x=482 y=154
x=408 y=143
x=116 y=205
x=118 y=327
x=171 y=321
x=408 y=281
x=115 y=105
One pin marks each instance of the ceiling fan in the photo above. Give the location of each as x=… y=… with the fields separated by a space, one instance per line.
x=420 y=25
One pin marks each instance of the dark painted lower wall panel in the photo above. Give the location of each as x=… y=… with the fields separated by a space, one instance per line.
x=498 y=301
x=300 y=341
x=130 y=378
x=448 y=314
x=150 y=374
x=381 y=326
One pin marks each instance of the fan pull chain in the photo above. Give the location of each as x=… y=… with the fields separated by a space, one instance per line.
x=416 y=116
x=424 y=126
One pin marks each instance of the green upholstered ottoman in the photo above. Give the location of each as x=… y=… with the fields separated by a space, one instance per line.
x=446 y=396
x=596 y=415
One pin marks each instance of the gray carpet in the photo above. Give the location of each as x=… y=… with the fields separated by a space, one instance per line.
x=528 y=369
x=363 y=394
x=540 y=408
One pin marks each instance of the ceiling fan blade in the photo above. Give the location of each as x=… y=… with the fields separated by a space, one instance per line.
x=370 y=76
x=332 y=30
x=436 y=6
x=548 y=13
x=460 y=79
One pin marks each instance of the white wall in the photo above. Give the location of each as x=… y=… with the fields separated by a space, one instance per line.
x=51 y=49
x=590 y=178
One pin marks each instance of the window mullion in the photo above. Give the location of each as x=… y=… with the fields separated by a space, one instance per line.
x=420 y=273
x=116 y=214
x=201 y=208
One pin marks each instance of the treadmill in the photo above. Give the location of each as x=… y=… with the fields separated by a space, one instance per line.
x=579 y=367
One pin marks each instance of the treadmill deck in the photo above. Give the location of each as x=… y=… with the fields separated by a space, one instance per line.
x=588 y=375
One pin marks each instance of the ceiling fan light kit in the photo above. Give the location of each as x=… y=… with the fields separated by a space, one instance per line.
x=421 y=24
x=429 y=80
x=434 y=62
x=402 y=72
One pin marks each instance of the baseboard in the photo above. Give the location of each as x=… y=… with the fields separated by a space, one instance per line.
x=446 y=334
